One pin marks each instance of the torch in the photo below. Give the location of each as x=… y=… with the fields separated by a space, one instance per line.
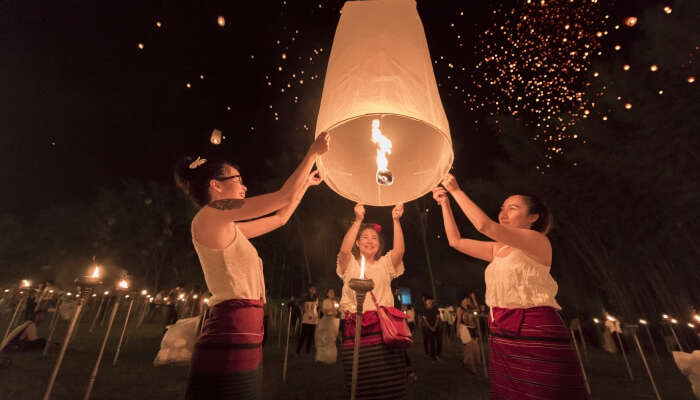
x=86 y=284
x=99 y=309
x=673 y=321
x=52 y=325
x=622 y=347
x=26 y=285
x=126 y=323
x=361 y=286
x=644 y=359
x=286 y=348
x=122 y=287
x=482 y=344
x=651 y=340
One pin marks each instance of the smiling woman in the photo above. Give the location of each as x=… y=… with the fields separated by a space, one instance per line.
x=227 y=359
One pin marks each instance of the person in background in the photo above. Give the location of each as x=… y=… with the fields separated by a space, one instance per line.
x=431 y=329
x=309 y=319
x=296 y=314
x=172 y=303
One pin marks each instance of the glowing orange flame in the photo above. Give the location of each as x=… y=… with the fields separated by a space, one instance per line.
x=384 y=176
x=26 y=283
x=362 y=268
x=96 y=272
x=123 y=284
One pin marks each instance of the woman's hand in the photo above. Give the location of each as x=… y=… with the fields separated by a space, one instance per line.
x=397 y=212
x=320 y=145
x=315 y=178
x=450 y=183
x=359 y=212
x=440 y=195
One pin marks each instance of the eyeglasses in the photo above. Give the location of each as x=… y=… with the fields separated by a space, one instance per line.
x=236 y=178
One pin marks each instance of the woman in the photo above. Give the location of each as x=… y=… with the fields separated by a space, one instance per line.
x=465 y=331
x=227 y=359
x=383 y=372
x=531 y=354
x=327 y=330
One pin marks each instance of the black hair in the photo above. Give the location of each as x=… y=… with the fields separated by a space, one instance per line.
x=194 y=182
x=535 y=206
x=364 y=227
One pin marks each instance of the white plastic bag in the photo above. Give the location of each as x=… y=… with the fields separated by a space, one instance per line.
x=689 y=364
x=67 y=309
x=178 y=342
x=325 y=339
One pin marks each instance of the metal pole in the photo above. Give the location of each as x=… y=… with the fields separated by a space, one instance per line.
x=482 y=345
x=673 y=331
x=20 y=303
x=653 y=346
x=624 y=355
x=52 y=326
x=286 y=348
x=96 y=368
x=279 y=328
x=361 y=287
x=121 y=338
x=583 y=342
x=99 y=308
x=646 y=365
x=66 y=340
x=580 y=361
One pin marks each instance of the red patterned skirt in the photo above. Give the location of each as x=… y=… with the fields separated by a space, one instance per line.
x=382 y=371
x=227 y=358
x=532 y=356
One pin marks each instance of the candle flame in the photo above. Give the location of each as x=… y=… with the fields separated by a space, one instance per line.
x=336 y=305
x=96 y=272
x=26 y=283
x=206 y=300
x=362 y=268
x=610 y=318
x=674 y=321
x=690 y=325
x=384 y=176
x=69 y=294
x=123 y=284
x=596 y=320
x=697 y=317
x=643 y=321
x=144 y=292
x=106 y=293
x=664 y=316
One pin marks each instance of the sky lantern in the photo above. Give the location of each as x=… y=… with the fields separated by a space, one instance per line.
x=390 y=139
x=215 y=137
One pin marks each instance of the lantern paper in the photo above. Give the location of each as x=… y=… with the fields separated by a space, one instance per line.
x=215 y=137
x=380 y=68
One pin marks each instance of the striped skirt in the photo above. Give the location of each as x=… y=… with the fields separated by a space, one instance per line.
x=532 y=356
x=227 y=358
x=382 y=371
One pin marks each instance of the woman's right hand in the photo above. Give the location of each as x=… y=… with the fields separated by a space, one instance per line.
x=359 y=212
x=450 y=183
x=320 y=145
x=440 y=195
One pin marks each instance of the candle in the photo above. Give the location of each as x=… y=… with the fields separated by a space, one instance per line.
x=362 y=268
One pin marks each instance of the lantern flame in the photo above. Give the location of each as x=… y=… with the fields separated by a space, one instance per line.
x=362 y=268
x=697 y=317
x=664 y=316
x=643 y=321
x=144 y=292
x=25 y=283
x=610 y=318
x=384 y=176
x=596 y=320
x=123 y=284
x=674 y=321
x=206 y=300
x=96 y=272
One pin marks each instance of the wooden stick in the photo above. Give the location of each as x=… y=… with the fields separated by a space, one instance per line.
x=286 y=348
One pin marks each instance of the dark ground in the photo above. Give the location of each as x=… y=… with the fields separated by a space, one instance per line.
x=134 y=377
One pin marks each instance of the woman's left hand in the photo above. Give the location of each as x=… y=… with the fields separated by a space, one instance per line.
x=450 y=183
x=397 y=212
x=315 y=178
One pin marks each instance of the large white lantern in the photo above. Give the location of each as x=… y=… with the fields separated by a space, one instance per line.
x=380 y=75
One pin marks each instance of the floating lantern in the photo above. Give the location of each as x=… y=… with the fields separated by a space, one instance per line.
x=26 y=283
x=631 y=21
x=691 y=79
x=654 y=68
x=221 y=21
x=123 y=285
x=380 y=80
x=140 y=46
x=668 y=10
x=215 y=137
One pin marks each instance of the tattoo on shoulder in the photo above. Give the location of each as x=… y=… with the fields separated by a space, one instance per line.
x=226 y=204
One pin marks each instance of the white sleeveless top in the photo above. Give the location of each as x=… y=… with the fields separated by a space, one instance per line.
x=235 y=272
x=382 y=271
x=518 y=281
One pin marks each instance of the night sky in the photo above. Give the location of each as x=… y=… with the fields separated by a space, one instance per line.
x=83 y=106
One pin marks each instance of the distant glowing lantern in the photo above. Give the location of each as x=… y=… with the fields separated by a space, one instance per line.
x=668 y=9
x=691 y=79
x=221 y=21
x=380 y=81
x=140 y=45
x=596 y=320
x=631 y=21
x=123 y=284
x=215 y=137
x=654 y=68
x=643 y=321
x=626 y=67
x=159 y=24
x=674 y=321
x=628 y=106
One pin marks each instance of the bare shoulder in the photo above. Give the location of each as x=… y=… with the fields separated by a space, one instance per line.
x=226 y=204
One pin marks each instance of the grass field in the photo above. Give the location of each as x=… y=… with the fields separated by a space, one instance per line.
x=135 y=377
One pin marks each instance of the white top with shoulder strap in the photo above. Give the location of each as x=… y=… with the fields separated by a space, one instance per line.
x=517 y=281
x=235 y=272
